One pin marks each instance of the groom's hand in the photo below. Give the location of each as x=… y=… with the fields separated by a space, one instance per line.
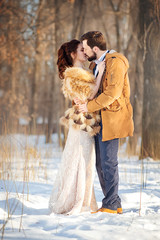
x=83 y=107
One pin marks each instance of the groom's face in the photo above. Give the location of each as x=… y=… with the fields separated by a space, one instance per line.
x=90 y=54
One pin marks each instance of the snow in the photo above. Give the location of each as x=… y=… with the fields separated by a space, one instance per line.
x=27 y=200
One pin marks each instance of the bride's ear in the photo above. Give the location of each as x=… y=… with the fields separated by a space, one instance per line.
x=73 y=55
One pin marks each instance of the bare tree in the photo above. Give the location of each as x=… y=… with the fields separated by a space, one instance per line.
x=116 y=9
x=150 y=26
x=53 y=94
x=78 y=18
x=134 y=53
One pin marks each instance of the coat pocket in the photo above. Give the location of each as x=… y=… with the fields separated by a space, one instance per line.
x=116 y=106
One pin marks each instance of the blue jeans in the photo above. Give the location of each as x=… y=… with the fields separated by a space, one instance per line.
x=107 y=169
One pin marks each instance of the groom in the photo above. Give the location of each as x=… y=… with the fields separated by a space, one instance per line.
x=116 y=112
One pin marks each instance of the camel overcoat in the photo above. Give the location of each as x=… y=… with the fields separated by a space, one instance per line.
x=114 y=99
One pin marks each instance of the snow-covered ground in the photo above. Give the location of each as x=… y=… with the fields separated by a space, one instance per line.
x=28 y=201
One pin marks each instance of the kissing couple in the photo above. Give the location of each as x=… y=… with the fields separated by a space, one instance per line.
x=101 y=113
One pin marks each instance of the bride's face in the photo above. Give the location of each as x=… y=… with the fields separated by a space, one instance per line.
x=80 y=55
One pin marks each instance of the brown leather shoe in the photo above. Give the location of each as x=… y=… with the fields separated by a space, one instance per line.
x=107 y=210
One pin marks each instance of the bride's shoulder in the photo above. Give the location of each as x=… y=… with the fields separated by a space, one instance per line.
x=79 y=73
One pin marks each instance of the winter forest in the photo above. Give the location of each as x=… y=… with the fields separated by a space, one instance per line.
x=31 y=33
x=31 y=104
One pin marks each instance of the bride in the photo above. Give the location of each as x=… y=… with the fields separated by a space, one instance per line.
x=73 y=188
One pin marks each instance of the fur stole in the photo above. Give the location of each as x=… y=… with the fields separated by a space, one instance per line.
x=79 y=83
x=88 y=122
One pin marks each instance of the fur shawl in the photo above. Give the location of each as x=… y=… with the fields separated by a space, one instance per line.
x=79 y=83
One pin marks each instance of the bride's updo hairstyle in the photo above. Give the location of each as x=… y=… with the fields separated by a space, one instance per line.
x=64 y=56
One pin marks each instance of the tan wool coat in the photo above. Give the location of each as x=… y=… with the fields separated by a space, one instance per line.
x=114 y=99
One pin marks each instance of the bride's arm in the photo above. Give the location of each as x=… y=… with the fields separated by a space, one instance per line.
x=101 y=67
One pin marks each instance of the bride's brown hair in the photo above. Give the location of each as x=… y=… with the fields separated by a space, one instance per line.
x=64 y=56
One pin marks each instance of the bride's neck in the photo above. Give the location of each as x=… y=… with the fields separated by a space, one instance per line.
x=78 y=64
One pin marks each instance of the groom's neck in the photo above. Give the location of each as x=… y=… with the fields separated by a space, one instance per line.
x=100 y=53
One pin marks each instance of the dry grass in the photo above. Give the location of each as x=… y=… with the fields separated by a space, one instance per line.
x=18 y=162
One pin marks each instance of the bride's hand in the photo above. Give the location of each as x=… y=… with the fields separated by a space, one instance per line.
x=101 y=66
x=78 y=101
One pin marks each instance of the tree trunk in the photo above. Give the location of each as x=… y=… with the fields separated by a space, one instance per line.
x=150 y=24
x=79 y=9
x=133 y=143
x=115 y=10
x=136 y=79
x=36 y=69
x=54 y=94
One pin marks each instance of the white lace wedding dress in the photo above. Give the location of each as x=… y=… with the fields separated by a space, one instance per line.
x=73 y=190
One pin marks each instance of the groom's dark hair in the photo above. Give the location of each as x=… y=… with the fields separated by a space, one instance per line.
x=94 y=38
